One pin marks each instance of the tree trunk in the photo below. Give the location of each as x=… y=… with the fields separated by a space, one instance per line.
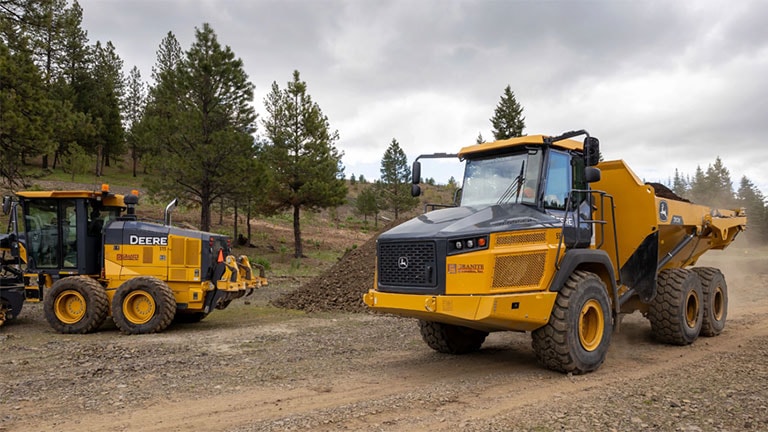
x=248 y=223
x=45 y=161
x=221 y=211
x=297 y=232
x=205 y=213
x=235 y=233
x=99 y=157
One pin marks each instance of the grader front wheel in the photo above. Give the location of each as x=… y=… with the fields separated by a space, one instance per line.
x=142 y=305
x=578 y=333
x=76 y=304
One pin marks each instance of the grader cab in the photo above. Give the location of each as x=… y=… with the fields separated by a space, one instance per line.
x=86 y=256
x=548 y=239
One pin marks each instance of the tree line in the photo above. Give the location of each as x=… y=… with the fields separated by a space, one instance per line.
x=714 y=187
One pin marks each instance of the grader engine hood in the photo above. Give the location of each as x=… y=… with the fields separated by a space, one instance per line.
x=470 y=220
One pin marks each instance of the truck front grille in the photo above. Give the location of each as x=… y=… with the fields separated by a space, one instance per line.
x=407 y=264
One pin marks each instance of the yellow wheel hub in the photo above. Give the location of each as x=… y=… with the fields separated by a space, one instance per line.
x=591 y=325
x=718 y=303
x=691 y=309
x=69 y=307
x=139 y=307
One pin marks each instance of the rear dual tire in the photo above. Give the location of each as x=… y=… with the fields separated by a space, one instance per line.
x=677 y=313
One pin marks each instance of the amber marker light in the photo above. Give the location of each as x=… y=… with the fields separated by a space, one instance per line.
x=481 y=242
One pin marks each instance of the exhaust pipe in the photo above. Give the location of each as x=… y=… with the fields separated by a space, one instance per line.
x=168 y=209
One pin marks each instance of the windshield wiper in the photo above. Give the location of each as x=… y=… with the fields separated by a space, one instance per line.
x=514 y=189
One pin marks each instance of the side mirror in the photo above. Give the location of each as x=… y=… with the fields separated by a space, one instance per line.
x=415 y=190
x=7 y=204
x=416 y=173
x=591 y=174
x=591 y=151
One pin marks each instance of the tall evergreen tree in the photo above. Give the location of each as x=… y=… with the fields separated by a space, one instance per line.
x=679 y=186
x=750 y=197
x=203 y=121
x=24 y=111
x=105 y=104
x=508 y=120
x=304 y=165
x=134 y=103
x=396 y=180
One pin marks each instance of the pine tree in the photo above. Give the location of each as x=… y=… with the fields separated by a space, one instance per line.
x=367 y=203
x=508 y=120
x=679 y=186
x=25 y=110
x=396 y=180
x=305 y=168
x=479 y=139
x=134 y=103
x=750 y=197
x=201 y=116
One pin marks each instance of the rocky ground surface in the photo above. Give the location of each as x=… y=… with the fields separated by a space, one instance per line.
x=257 y=367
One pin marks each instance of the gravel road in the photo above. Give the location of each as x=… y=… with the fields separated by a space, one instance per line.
x=255 y=367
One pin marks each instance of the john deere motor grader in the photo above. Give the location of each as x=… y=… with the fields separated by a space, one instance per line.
x=86 y=255
x=546 y=238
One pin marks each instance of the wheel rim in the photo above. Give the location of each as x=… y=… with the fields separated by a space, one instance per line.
x=139 y=307
x=591 y=325
x=692 y=309
x=718 y=303
x=69 y=307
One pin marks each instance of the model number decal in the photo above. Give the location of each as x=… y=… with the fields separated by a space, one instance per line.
x=127 y=257
x=141 y=240
x=465 y=268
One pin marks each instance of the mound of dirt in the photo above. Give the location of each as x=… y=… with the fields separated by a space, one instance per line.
x=339 y=288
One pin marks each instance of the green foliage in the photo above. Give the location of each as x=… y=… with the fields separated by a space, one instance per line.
x=24 y=129
x=201 y=119
x=367 y=202
x=305 y=170
x=76 y=161
x=750 y=197
x=395 y=186
x=507 y=120
x=261 y=261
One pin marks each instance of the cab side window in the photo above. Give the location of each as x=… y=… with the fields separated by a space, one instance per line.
x=558 y=180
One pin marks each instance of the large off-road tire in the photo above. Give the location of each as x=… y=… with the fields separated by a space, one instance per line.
x=76 y=305
x=715 y=300
x=142 y=305
x=677 y=311
x=578 y=334
x=451 y=339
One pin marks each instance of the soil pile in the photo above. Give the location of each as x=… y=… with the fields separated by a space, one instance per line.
x=339 y=288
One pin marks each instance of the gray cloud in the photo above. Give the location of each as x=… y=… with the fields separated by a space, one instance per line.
x=665 y=85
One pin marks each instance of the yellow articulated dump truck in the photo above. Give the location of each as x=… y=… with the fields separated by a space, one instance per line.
x=545 y=238
x=86 y=256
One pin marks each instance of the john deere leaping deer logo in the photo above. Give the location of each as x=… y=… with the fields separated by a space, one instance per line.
x=663 y=211
x=402 y=262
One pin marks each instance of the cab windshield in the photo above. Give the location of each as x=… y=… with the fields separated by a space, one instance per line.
x=500 y=180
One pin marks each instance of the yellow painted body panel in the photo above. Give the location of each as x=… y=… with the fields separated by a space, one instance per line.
x=518 y=141
x=488 y=313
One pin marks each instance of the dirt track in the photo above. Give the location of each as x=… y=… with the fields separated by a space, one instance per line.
x=253 y=367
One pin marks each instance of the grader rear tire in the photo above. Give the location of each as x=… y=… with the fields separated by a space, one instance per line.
x=451 y=339
x=143 y=305
x=578 y=334
x=715 y=300
x=76 y=305
x=677 y=312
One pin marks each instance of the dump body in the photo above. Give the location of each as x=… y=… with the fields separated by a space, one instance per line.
x=541 y=221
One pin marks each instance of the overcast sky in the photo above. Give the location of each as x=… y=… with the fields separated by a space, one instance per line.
x=663 y=84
